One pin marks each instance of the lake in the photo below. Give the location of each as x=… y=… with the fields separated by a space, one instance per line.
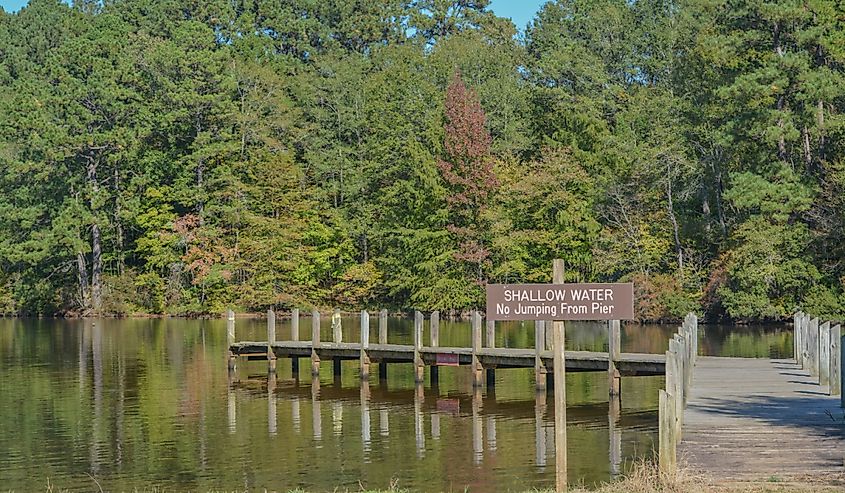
x=148 y=403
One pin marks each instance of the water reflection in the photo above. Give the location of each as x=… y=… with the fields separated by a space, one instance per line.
x=150 y=404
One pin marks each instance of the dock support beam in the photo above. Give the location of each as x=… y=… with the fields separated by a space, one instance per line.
x=294 y=324
x=613 y=354
x=797 y=320
x=434 y=326
x=315 y=343
x=824 y=354
x=230 y=337
x=365 y=345
x=337 y=338
x=271 y=339
x=835 y=360
x=539 y=346
x=666 y=432
x=419 y=366
x=476 y=346
x=813 y=347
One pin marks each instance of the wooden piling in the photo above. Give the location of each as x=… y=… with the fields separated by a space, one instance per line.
x=560 y=388
x=419 y=366
x=666 y=428
x=337 y=338
x=476 y=346
x=315 y=343
x=435 y=329
x=796 y=336
x=365 y=345
x=807 y=342
x=835 y=371
x=271 y=339
x=337 y=327
x=813 y=347
x=382 y=339
x=230 y=337
x=294 y=324
x=824 y=354
x=382 y=327
x=613 y=354
x=434 y=333
x=539 y=346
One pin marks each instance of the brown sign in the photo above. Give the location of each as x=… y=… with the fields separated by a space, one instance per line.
x=597 y=301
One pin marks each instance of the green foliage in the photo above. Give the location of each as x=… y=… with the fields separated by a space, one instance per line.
x=171 y=158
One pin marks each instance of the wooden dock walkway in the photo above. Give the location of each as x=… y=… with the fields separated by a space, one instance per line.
x=629 y=364
x=759 y=419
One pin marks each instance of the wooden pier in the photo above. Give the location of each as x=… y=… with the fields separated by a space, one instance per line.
x=764 y=419
x=755 y=419
x=478 y=357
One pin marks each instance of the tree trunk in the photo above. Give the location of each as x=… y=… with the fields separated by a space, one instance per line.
x=820 y=124
x=96 y=241
x=82 y=278
x=96 y=268
x=121 y=258
x=674 y=220
x=808 y=156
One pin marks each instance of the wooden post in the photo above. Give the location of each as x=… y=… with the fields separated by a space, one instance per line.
x=796 y=336
x=613 y=354
x=337 y=327
x=230 y=337
x=813 y=347
x=539 y=346
x=271 y=339
x=673 y=383
x=435 y=329
x=490 y=376
x=550 y=336
x=294 y=324
x=365 y=345
x=824 y=354
x=476 y=346
x=419 y=366
x=337 y=338
x=382 y=339
x=841 y=369
x=805 y=342
x=835 y=361
x=434 y=371
x=539 y=428
x=560 y=389
x=666 y=431
x=382 y=327
x=315 y=343
x=294 y=336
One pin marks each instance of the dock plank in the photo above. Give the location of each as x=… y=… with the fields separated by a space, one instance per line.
x=753 y=419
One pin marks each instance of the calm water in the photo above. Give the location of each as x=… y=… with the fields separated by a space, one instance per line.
x=149 y=403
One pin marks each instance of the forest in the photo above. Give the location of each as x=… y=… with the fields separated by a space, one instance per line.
x=184 y=157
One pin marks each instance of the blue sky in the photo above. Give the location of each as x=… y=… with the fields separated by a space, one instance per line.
x=520 y=11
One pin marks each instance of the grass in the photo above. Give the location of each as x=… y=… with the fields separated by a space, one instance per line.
x=644 y=477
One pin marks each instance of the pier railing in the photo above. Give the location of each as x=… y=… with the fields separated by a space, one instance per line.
x=482 y=356
x=818 y=349
x=680 y=363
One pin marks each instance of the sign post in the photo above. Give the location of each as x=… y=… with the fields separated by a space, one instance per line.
x=560 y=302
x=560 y=390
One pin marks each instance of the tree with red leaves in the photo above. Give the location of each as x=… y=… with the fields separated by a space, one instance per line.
x=467 y=170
